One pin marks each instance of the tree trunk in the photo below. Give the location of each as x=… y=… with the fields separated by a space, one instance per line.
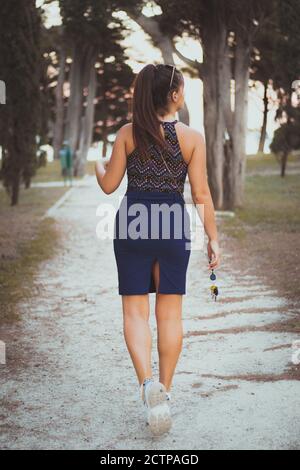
x=263 y=133
x=74 y=112
x=228 y=172
x=215 y=81
x=59 y=121
x=75 y=101
x=236 y=148
x=79 y=71
x=15 y=188
x=283 y=162
x=87 y=121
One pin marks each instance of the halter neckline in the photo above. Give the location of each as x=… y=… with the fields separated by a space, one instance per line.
x=169 y=122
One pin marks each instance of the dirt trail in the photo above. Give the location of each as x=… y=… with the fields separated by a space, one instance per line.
x=69 y=382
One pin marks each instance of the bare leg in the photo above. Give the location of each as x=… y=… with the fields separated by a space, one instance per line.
x=137 y=333
x=168 y=311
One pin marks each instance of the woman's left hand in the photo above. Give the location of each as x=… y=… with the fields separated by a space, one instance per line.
x=214 y=254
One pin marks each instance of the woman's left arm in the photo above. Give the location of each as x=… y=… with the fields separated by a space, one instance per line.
x=109 y=178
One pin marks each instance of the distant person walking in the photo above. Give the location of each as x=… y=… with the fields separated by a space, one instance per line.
x=157 y=152
x=66 y=162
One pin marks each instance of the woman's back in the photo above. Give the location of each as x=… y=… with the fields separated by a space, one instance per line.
x=165 y=173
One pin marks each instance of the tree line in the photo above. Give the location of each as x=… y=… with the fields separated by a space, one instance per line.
x=71 y=82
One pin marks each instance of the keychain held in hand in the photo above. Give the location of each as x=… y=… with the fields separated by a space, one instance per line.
x=213 y=289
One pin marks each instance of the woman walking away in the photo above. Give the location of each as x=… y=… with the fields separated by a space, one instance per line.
x=157 y=152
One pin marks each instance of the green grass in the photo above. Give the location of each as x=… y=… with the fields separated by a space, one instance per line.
x=33 y=200
x=262 y=161
x=25 y=240
x=265 y=231
x=17 y=276
x=52 y=172
x=272 y=201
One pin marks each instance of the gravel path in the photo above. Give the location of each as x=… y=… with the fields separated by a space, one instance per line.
x=69 y=382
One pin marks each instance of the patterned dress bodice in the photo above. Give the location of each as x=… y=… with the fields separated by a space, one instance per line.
x=152 y=174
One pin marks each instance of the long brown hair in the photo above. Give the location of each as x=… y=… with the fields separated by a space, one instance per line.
x=151 y=89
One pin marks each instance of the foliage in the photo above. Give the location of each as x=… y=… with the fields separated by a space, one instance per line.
x=20 y=68
x=92 y=24
x=287 y=56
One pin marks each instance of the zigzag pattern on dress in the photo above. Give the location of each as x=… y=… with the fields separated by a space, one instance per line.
x=152 y=174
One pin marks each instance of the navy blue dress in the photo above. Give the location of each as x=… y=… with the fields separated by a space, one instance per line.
x=152 y=222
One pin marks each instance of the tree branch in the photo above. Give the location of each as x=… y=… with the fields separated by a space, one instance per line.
x=192 y=63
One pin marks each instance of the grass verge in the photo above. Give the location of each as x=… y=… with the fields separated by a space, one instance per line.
x=25 y=241
x=264 y=234
x=17 y=276
x=52 y=172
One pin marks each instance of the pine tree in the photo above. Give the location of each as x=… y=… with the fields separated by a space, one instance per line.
x=226 y=30
x=20 y=68
x=98 y=73
x=287 y=58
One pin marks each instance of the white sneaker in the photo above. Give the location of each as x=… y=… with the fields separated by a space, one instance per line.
x=155 y=399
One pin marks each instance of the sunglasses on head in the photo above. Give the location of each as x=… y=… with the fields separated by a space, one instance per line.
x=173 y=71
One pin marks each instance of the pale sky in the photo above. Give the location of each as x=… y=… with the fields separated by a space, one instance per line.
x=141 y=51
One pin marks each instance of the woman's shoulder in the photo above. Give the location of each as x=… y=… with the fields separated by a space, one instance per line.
x=126 y=134
x=188 y=139
x=125 y=128
x=127 y=125
x=189 y=130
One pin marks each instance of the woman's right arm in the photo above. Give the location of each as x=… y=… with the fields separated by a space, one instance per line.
x=201 y=195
